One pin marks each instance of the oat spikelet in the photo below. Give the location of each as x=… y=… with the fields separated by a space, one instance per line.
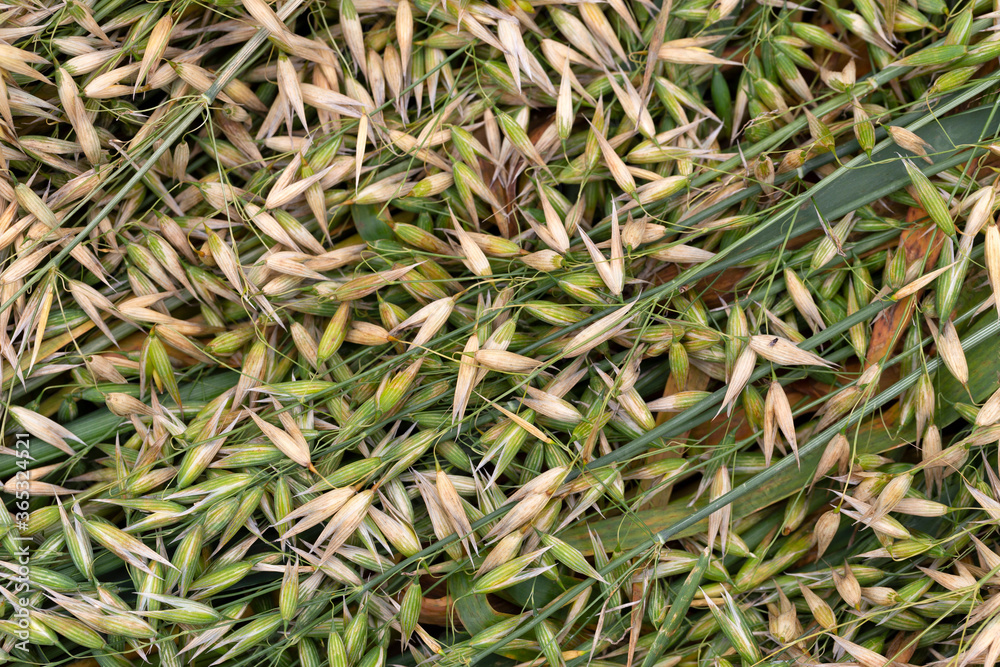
x=803 y=300
x=504 y=550
x=359 y=150
x=866 y=657
x=742 y=370
x=315 y=511
x=836 y=453
x=123 y=545
x=826 y=529
x=718 y=521
x=506 y=362
x=530 y=499
x=603 y=329
x=909 y=141
x=681 y=254
x=474 y=258
x=553 y=224
x=431 y=319
x=510 y=37
x=611 y=271
x=890 y=496
x=915 y=286
x=288 y=83
x=551 y=406
x=783 y=351
x=404 y=34
x=847 y=585
x=345 y=523
x=465 y=380
x=619 y=172
x=159 y=38
x=291 y=443
x=90 y=300
x=993 y=262
x=950 y=349
x=452 y=504
x=599 y=25
x=930 y=450
x=266 y=17
x=981 y=213
x=226 y=259
x=86 y=133
x=989 y=413
x=44 y=428
x=819 y=608
x=778 y=414
x=564 y=104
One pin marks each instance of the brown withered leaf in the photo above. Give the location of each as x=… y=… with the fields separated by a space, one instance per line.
x=889 y=327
